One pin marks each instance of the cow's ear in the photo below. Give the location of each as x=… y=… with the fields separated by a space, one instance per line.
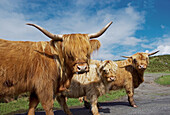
x=52 y=43
x=95 y=44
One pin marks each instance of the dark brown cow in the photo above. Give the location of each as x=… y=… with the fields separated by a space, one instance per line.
x=44 y=68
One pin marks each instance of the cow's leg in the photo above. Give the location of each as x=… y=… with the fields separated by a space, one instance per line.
x=130 y=92
x=45 y=97
x=94 y=107
x=33 y=102
x=47 y=105
x=62 y=101
x=86 y=103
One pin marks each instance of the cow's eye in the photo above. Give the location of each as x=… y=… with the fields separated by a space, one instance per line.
x=134 y=60
x=88 y=56
x=105 y=71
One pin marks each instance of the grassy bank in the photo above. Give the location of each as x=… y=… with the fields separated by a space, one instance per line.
x=159 y=64
x=21 y=105
x=163 y=80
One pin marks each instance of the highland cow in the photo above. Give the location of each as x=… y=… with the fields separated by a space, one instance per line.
x=44 y=68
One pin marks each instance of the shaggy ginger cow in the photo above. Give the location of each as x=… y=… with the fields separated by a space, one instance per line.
x=44 y=68
x=129 y=74
x=92 y=84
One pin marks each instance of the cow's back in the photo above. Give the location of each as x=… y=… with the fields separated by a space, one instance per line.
x=122 y=75
x=20 y=66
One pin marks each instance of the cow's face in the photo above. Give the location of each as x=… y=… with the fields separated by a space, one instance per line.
x=140 y=61
x=76 y=48
x=107 y=69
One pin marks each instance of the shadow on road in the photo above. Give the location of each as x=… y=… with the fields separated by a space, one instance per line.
x=114 y=103
x=84 y=111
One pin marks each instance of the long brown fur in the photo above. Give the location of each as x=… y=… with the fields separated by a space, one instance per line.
x=41 y=68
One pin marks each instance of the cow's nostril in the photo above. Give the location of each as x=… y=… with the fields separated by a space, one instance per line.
x=82 y=68
x=78 y=68
x=142 y=66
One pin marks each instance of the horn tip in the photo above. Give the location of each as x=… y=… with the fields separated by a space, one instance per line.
x=29 y=24
x=110 y=23
x=126 y=56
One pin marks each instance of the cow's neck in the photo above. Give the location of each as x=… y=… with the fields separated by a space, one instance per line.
x=104 y=84
x=131 y=69
x=137 y=77
x=54 y=51
x=65 y=81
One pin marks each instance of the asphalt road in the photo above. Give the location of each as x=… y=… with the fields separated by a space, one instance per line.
x=151 y=98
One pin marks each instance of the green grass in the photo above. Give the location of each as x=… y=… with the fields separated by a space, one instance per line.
x=163 y=80
x=159 y=64
x=21 y=105
x=112 y=95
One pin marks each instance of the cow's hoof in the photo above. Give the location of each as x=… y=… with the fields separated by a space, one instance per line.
x=98 y=106
x=135 y=106
x=87 y=105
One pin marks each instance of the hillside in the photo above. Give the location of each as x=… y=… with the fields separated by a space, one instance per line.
x=159 y=64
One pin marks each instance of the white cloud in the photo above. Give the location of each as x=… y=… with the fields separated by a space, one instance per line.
x=162 y=44
x=163 y=49
x=13 y=24
x=103 y=54
x=126 y=21
x=147 y=51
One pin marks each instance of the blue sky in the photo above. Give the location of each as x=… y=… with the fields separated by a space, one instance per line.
x=138 y=25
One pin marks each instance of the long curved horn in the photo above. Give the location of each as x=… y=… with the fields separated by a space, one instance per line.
x=153 y=53
x=95 y=35
x=127 y=56
x=50 y=35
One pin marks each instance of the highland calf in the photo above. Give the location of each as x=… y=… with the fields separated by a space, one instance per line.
x=44 y=68
x=92 y=84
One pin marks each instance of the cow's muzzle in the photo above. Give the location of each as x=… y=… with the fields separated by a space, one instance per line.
x=112 y=78
x=81 y=67
x=142 y=67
